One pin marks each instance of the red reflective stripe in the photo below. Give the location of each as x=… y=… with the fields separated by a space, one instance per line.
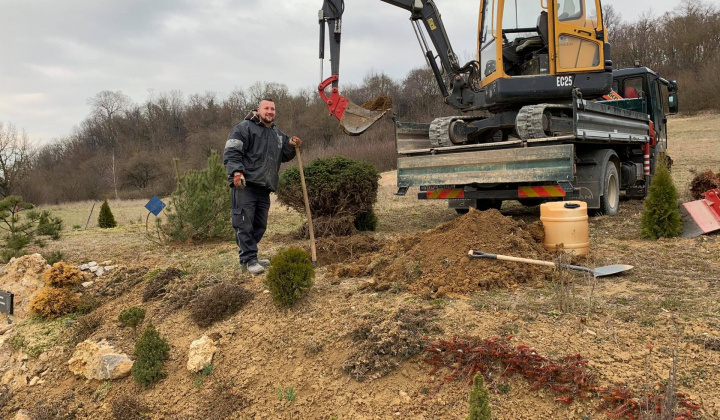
x=445 y=193
x=541 y=191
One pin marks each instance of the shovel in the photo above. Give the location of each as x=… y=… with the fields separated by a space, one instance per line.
x=608 y=270
x=358 y=119
x=307 y=208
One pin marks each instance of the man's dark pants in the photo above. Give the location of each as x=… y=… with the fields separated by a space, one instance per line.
x=250 y=207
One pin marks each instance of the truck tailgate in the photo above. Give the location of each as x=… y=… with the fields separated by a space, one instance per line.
x=551 y=163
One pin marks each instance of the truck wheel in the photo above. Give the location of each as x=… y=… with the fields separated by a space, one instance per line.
x=610 y=200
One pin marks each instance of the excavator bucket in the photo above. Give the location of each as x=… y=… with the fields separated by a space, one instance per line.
x=701 y=216
x=358 y=119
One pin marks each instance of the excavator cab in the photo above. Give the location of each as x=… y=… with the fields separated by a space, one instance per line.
x=563 y=40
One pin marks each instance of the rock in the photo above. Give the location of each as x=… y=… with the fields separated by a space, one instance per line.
x=5 y=328
x=100 y=271
x=201 y=353
x=23 y=278
x=106 y=262
x=22 y=415
x=83 y=267
x=94 y=268
x=99 y=361
x=34 y=381
x=87 y=283
x=110 y=267
x=92 y=264
x=7 y=377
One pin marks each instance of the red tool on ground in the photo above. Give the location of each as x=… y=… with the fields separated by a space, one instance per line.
x=701 y=216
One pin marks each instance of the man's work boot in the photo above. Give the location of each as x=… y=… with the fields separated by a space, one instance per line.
x=255 y=268
x=264 y=262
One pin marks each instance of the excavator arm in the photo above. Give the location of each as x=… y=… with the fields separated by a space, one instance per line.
x=356 y=119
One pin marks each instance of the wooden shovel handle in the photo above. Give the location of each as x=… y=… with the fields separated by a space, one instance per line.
x=479 y=254
x=307 y=207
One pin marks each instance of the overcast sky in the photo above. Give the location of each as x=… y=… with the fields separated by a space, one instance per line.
x=56 y=54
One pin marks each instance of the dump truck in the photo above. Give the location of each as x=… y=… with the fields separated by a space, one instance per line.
x=544 y=116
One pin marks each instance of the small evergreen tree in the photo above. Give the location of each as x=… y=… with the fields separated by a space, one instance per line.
x=21 y=231
x=291 y=274
x=661 y=217
x=106 y=219
x=132 y=317
x=151 y=351
x=200 y=206
x=479 y=399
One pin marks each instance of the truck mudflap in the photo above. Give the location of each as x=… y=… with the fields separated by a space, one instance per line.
x=526 y=165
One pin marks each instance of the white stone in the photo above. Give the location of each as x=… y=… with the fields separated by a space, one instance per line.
x=109 y=267
x=22 y=415
x=84 y=267
x=34 y=381
x=99 y=361
x=106 y=262
x=94 y=268
x=92 y=264
x=201 y=353
x=100 y=271
x=88 y=283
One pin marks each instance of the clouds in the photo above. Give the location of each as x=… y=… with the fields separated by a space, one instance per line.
x=55 y=54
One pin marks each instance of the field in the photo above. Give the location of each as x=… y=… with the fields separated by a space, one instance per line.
x=632 y=328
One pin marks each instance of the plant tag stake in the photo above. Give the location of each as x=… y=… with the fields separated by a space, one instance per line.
x=6 y=302
x=154 y=206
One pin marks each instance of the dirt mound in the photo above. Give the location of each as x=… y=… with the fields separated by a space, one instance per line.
x=703 y=182
x=344 y=249
x=381 y=103
x=435 y=263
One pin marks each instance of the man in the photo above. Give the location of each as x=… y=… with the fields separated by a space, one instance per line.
x=253 y=153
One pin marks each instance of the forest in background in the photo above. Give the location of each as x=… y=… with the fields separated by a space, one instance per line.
x=124 y=149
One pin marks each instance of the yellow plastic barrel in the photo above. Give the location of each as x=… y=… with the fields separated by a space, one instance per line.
x=566 y=223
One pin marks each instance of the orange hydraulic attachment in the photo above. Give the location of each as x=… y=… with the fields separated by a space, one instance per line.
x=336 y=103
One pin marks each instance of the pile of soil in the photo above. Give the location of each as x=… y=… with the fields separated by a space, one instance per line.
x=435 y=263
x=381 y=103
x=703 y=182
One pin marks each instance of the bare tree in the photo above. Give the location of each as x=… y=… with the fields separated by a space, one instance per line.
x=16 y=155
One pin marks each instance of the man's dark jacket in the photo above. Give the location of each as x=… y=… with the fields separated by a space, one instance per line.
x=257 y=151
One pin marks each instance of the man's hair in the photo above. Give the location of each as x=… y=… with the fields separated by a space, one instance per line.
x=266 y=99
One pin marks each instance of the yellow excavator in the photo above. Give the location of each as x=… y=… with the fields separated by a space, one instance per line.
x=528 y=52
x=558 y=122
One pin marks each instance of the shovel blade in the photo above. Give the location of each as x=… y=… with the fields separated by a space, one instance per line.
x=698 y=219
x=358 y=119
x=609 y=270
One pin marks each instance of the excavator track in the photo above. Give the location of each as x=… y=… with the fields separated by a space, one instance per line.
x=532 y=122
x=440 y=131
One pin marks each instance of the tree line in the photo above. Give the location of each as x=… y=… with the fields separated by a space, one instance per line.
x=124 y=149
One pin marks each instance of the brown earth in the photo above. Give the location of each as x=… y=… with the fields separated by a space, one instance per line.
x=670 y=300
x=381 y=103
x=703 y=182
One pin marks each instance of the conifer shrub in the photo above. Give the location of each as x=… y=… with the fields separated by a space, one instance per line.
x=62 y=275
x=290 y=275
x=661 y=217
x=337 y=187
x=84 y=327
x=366 y=221
x=479 y=399
x=24 y=226
x=106 y=219
x=53 y=302
x=218 y=303
x=151 y=350
x=199 y=207
x=53 y=257
x=132 y=317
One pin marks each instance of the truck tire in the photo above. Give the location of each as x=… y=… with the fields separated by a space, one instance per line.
x=610 y=200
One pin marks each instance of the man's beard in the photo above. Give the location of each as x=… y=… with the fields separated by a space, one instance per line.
x=267 y=120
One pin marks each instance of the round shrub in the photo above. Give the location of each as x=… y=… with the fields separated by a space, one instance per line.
x=336 y=186
x=151 y=350
x=132 y=317
x=218 y=303
x=62 y=275
x=52 y=302
x=290 y=275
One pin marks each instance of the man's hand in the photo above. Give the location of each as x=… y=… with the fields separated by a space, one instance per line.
x=295 y=142
x=239 y=180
